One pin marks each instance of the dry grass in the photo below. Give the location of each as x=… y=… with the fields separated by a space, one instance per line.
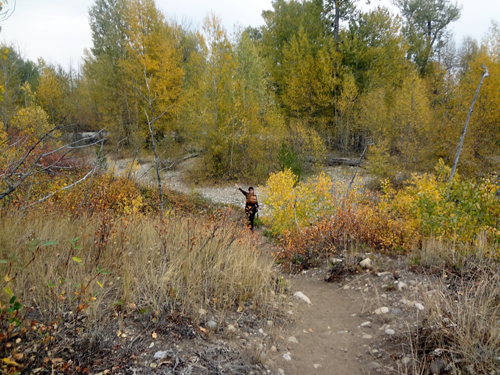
x=462 y=327
x=180 y=264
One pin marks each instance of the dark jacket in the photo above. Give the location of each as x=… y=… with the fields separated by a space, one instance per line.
x=251 y=204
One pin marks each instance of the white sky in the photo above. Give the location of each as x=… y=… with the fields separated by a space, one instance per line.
x=58 y=30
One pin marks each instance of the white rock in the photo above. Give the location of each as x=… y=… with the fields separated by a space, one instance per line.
x=202 y=311
x=302 y=296
x=366 y=263
x=382 y=310
x=160 y=354
x=366 y=336
x=380 y=274
x=231 y=328
x=389 y=331
x=406 y=360
x=373 y=366
x=316 y=365
x=287 y=356
x=281 y=371
x=419 y=306
x=366 y=324
x=151 y=345
x=402 y=285
x=335 y=260
x=293 y=339
x=211 y=324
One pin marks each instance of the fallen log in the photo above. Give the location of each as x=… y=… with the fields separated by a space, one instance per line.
x=177 y=161
x=342 y=161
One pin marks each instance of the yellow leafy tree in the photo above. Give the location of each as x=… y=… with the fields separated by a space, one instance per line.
x=309 y=83
x=50 y=95
x=152 y=66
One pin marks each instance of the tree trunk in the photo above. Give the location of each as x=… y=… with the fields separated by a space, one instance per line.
x=462 y=137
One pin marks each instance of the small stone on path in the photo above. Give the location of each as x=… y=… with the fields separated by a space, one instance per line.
x=302 y=296
x=293 y=339
x=211 y=324
x=366 y=263
x=316 y=365
x=366 y=324
x=373 y=365
x=366 y=336
x=382 y=310
x=402 y=286
x=419 y=306
x=287 y=356
x=389 y=331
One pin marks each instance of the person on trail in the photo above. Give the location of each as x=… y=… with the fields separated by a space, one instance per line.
x=251 y=206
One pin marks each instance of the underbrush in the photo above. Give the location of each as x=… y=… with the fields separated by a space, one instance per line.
x=66 y=279
x=320 y=216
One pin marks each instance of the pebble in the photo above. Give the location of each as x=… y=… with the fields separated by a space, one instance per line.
x=395 y=311
x=269 y=323
x=335 y=260
x=366 y=324
x=366 y=263
x=437 y=366
x=151 y=345
x=261 y=331
x=152 y=365
x=366 y=336
x=380 y=274
x=389 y=331
x=273 y=349
x=231 y=328
x=287 y=356
x=419 y=306
x=316 y=365
x=293 y=339
x=402 y=286
x=211 y=324
x=202 y=311
x=373 y=365
x=382 y=310
x=302 y=296
x=160 y=354
x=281 y=371
x=406 y=360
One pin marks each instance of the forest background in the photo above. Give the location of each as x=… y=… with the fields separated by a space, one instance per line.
x=300 y=86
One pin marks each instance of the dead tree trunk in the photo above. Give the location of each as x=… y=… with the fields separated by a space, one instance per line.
x=462 y=137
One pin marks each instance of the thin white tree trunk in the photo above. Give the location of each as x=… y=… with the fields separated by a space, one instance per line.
x=462 y=137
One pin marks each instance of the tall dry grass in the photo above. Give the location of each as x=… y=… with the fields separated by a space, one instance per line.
x=178 y=263
x=462 y=326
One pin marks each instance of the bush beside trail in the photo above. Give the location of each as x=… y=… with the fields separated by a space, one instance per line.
x=318 y=217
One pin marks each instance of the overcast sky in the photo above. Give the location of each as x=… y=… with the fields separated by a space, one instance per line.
x=58 y=30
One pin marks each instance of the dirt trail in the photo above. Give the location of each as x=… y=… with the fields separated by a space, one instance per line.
x=326 y=331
